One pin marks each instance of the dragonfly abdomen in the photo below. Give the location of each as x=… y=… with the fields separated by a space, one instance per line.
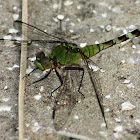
x=91 y=50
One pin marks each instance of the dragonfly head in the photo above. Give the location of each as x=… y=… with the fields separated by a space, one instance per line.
x=42 y=62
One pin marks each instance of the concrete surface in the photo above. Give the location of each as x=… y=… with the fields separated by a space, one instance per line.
x=119 y=63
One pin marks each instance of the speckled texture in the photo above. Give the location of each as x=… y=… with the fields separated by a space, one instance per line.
x=85 y=118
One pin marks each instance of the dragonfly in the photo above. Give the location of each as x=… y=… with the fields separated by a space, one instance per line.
x=66 y=54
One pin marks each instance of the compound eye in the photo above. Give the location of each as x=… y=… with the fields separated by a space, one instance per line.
x=40 y=55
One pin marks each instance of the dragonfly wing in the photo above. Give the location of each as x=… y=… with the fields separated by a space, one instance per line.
x=93 y=71
x=67 y=98
x=35 y=34
x=94 y=77
x=62 y=109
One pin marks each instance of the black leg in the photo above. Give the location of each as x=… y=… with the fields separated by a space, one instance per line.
x=31 y=72
x=60 y=79
x=41 y=78
x=80 y=69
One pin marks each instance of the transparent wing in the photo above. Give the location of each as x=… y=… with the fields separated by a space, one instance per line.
x=94 y=77
x=35 y=34
x=62 y=109
x=93 y=71
x=66 y=98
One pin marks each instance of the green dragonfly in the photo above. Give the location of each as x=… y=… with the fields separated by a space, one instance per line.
x=66 y=54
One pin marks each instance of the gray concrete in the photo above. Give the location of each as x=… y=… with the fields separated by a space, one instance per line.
x=84 y=118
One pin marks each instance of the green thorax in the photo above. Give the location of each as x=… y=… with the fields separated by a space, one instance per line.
x=63 y=55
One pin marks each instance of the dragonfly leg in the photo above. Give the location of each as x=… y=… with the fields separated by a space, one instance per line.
x=79 y=69
x=41 y=78
x=61 y=81
x=30 y=72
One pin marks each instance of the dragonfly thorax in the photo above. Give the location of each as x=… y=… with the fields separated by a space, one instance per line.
x=62 y=55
